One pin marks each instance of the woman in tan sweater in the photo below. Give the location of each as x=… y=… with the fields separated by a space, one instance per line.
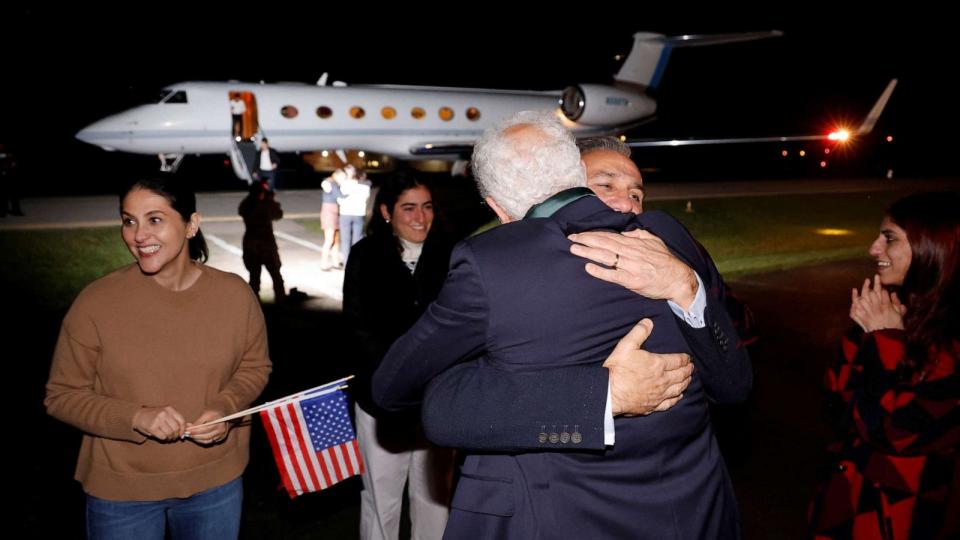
x=146 y=354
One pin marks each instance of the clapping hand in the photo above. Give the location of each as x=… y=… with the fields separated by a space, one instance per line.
x=874 y=308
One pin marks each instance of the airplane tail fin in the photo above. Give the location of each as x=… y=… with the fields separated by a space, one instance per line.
x=647 y=60
x=871 y=120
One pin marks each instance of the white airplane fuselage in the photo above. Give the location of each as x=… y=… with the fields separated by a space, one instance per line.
x=389 y=125
x=406 y=122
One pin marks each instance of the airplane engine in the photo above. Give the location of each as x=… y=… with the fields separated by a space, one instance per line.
x=597 y=105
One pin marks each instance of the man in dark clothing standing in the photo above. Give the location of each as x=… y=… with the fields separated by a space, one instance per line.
x=259 y=209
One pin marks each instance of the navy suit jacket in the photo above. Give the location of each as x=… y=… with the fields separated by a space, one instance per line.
x=476 y=406
x=516 y=300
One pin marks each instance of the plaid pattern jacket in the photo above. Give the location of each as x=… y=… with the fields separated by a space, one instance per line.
x=894 y=471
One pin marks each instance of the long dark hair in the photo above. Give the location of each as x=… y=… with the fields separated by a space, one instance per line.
x=931 y=287
x=388 y=195
x=182 y=199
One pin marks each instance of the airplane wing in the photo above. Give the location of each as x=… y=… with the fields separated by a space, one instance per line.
x=866 y=126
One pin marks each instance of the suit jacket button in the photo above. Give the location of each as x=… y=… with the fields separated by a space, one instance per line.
x=576 y=437
x=554 y=438
x=564 y=437
x=542 y=437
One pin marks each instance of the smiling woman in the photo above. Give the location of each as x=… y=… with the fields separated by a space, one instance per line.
x=897 y=385
x=145 y=355
x=391 y=277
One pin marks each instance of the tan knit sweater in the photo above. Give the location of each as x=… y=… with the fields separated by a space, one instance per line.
x=127 y=343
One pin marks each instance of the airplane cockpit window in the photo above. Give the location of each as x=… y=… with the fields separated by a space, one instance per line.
x=289 y=111
x=473 y=114
x=418 y=113
x=446 y=114
x=324 y=112
x=178 y=96
x=388 y=113
x=357 y=112
x=164 y=94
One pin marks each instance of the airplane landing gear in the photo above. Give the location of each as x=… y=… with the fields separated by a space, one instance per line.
x=170 y=162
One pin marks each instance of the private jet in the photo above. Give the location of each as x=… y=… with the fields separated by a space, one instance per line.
x=404 y=122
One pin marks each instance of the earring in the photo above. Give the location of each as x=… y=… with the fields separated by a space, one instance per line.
x=387 y=220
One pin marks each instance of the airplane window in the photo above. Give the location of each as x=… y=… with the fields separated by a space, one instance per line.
x=446 y=114
x=324 y=112
x=417 y=113
x=357 y=112
x=473 y=114
x=164 y=94
x=289 y=111
x=177 y=97
x=389 y=113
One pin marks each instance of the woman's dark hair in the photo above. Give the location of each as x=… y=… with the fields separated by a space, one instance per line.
x=182 y=199
x=388 y=195
x=930 y=287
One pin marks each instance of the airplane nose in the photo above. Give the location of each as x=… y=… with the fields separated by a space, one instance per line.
x=150 y=129
x=108 y=133
x=87 y=135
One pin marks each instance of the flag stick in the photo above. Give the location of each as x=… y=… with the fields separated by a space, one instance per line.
x=312 y=392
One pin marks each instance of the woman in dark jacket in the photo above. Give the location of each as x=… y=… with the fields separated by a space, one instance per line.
x=391 y=277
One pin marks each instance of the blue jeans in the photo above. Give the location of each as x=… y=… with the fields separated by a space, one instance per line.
x=351 y=231
x=270 y=177
x=214 y=513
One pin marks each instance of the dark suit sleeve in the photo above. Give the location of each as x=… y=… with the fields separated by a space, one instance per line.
x=453 y=329
x=475 y=406
x=719 y=354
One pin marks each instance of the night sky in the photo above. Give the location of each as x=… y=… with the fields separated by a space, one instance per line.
x=65 y=68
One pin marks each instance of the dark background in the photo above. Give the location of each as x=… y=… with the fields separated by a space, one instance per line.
x=66 y=67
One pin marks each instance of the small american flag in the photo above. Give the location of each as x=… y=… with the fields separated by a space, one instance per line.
x=313 y=442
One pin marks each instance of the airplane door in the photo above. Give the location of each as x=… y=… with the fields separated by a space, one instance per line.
x=243 y=114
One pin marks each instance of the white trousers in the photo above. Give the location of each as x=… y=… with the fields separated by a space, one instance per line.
x=393 y=458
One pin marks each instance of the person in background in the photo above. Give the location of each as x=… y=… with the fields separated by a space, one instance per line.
x=268 y=160
x=353 y=209
x=259 y=209
x=330 y=220
x=237 y=109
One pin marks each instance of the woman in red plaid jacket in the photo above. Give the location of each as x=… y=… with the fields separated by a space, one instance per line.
x=895 y=473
